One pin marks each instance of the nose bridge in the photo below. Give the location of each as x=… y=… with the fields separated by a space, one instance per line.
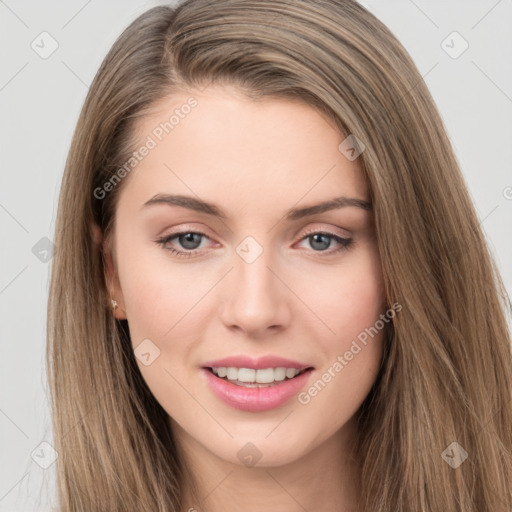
x=256 y=298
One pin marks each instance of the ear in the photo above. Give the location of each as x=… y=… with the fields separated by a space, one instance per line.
x=112 y=282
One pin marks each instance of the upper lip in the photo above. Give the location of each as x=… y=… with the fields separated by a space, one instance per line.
x=255 y=363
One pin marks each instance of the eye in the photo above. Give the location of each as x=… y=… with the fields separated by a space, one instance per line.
x=191 y=240
x=321 y=241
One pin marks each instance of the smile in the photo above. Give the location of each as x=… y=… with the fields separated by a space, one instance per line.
x=250 y=377
x=245 y=393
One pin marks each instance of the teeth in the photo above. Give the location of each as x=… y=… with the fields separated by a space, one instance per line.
x=246 y=374
x=283 y=373
x=267 y=375
x=262 y=376
x=290 y=372
x=232 y=373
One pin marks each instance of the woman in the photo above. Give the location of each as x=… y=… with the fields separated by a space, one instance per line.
x=205 y=353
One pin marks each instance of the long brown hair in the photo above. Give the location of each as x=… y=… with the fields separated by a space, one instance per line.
x=446 y=374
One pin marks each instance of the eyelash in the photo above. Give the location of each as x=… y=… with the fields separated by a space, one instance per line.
x=345 y=243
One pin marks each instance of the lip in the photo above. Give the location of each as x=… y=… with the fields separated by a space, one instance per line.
x=256 y=364
x=255 y=399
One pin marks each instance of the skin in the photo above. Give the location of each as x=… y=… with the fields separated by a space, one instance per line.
x=255 y=160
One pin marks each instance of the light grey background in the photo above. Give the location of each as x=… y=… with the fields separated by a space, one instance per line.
x=40 y=100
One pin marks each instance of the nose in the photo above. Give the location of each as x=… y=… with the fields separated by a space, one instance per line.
x=256 y=300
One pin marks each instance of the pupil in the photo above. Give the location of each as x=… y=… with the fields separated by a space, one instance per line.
x=324 y=244
x=187 y=240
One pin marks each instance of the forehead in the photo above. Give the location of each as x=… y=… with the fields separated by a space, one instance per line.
x=217 y=143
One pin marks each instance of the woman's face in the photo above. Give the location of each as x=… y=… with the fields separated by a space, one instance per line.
x=260 y=275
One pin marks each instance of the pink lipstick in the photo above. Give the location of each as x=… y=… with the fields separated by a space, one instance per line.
x=255 y=385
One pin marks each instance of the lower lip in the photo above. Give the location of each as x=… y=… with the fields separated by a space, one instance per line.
x=255 y=399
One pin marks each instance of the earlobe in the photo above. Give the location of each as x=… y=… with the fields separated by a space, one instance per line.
x=114 y=287
x=115 y=298
x=97 y=235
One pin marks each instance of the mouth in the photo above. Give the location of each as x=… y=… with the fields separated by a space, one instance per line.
x=239 y=387
x=257 y=378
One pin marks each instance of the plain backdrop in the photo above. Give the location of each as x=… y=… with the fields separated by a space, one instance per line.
x=41 y=95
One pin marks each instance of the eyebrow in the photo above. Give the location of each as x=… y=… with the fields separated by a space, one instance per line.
x=198 y=205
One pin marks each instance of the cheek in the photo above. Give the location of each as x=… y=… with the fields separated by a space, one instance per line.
x=351 y=306
x=358 y=304
x=350 y=359
x=157 y=293
x=159 y=298
x=348 y=299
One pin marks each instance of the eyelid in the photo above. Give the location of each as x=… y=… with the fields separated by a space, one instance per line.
x=186 y=228
x=318 y=227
